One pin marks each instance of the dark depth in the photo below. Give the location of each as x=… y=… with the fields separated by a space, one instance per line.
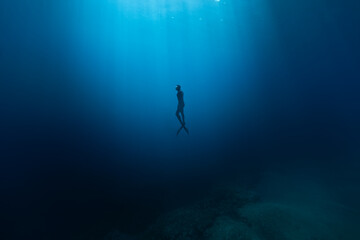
x=88 y=145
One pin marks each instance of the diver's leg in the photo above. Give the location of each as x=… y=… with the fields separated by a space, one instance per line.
x=183 y=116
x=183 y=120
x=182 y=125
x=178 y=117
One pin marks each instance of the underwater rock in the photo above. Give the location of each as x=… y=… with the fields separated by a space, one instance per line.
x=226 y=228
x=182 y=224
x=203 y=220
x=234 y=213
x=285 y=222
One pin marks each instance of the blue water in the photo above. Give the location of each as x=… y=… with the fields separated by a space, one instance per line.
x=87 y=98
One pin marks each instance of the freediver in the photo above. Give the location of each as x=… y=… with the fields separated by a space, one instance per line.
x=180 y=109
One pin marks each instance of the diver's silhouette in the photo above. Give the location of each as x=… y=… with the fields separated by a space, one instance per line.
x=180 y=109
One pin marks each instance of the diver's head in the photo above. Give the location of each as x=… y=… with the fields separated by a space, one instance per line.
x=178 y=87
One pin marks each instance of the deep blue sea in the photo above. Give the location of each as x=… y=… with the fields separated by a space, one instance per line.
x=88 y=144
